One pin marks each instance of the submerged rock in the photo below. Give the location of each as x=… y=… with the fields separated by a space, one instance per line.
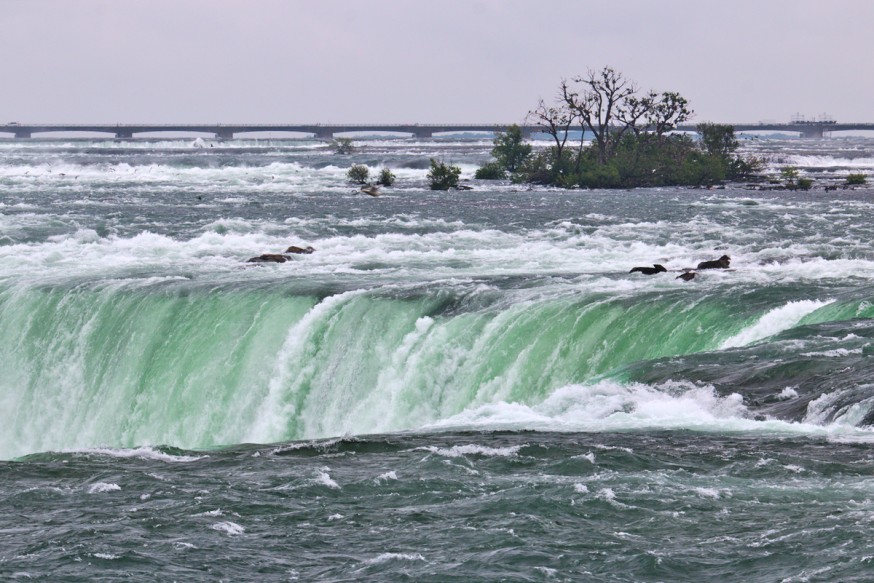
x=656 y=268
x=721 y=263
x=300 y=250
x=268 y=258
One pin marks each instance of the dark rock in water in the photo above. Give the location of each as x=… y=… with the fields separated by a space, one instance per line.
x=688 y=276
x=371 y=190
x=268 y=258
x=417 y=164
x=721 y=263
x=656 y=268
x=300 y=250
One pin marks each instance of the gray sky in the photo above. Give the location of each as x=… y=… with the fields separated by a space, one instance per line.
x=407 y=61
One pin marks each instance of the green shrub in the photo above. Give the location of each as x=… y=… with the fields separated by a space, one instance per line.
x=491 y=171
x=789 y=173
x=804 y=183
x=510 y=151
x=386 y=177
x=599 y=176
x=700 y=168
x=857 y=179
x=342 y=146
x=790 y=176
x=443 y=176
x=544 y=167
x=358 y=173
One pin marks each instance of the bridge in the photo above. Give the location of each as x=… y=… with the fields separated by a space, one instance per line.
x=328 y=131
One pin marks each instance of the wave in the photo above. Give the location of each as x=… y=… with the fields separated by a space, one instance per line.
x=809 y=161
x=775 y=321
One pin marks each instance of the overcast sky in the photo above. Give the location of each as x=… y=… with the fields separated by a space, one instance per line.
x=437 y=61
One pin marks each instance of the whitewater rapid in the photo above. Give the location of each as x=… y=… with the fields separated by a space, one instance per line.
x=130 y=317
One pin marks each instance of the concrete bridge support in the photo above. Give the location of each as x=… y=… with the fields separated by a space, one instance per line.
x=22 y=134
x=812 y=132
x=224 y=135
x=123 y=134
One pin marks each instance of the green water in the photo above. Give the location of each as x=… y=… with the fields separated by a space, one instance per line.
x=462 y=386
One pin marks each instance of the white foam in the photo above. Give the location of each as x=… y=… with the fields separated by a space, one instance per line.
x=386 y=557
x=231 y=528
x=606 y=494
x=787 y=394
x=141 y=453
x=708 y=493
x=807 y=161
x=834 y=353
x=323 y=478
x=101 y=487
x=589 y=457
x=473 y=450
x=775 y=321
x=611 y=406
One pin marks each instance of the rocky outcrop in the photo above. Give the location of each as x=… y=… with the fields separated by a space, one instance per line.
x=656 y=268
x=268 y=258
x=299 y=250
x=721 y=263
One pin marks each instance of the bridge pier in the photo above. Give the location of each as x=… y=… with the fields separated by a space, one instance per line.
x=812 y=132
x=224 y=135
x=123 y=134
x=324 y=134
x=22 y=134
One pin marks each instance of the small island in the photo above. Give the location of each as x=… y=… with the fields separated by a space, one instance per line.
x=632 y=143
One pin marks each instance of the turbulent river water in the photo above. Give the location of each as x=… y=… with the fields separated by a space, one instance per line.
x=455 y=386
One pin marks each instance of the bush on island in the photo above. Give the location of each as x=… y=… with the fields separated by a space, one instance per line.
x=386 y=177
x=510 y=151
x=443 y=176
x=857 y=179
x=490 y=171
x=510 y=154
x=358 y=173
x=804 y=183
x=627 y=143
x=342 y=146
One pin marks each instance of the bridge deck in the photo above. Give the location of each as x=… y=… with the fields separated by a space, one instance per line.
x=329 y=130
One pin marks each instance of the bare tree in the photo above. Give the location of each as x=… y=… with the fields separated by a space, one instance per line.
x=555 y=121
x=668 y=112
x=632 y=111
x=604 y=95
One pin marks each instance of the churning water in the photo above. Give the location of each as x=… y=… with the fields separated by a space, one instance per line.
x=455 y=386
